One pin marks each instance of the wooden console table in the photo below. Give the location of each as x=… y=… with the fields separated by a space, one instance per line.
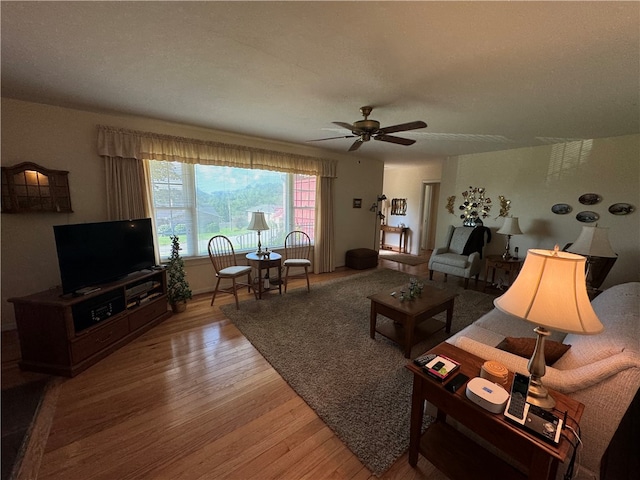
x=402 y=242
x=457 y=455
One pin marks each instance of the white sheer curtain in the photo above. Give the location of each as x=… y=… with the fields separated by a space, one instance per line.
x=126 y=152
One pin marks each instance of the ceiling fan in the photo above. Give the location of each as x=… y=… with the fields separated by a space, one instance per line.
x=367 y=129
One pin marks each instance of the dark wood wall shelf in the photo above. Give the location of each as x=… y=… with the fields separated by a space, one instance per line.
x=28 y=187
x=64 y=335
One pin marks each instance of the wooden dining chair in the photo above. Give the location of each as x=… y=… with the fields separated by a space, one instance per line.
x=297 y=250
x=225 y=264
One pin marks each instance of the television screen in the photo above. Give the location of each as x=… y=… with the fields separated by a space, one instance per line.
x=93 y=253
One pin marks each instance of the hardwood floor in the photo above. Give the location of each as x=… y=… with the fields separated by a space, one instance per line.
x=192 y=398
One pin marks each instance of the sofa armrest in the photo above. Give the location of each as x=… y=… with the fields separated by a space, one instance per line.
x=565 y=381
x=440 y=251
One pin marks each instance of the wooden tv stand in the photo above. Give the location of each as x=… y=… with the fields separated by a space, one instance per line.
x=65 y=334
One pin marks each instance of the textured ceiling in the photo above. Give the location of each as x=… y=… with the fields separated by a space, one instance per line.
x=483 y=76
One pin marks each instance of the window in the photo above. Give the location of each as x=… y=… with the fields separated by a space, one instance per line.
x=196 y=202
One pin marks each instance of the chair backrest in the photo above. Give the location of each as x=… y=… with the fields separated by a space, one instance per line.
x=297 y=244
x=221 y=253
x=459 y=238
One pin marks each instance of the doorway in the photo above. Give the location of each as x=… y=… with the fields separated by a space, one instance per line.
x=429 y=215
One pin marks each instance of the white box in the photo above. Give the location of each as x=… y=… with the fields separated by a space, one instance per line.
x=488 y=395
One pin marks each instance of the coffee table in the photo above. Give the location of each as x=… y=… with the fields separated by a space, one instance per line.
x=409 y=314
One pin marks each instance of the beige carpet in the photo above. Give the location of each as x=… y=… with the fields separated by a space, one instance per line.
x=319 y=342
x=403 y=257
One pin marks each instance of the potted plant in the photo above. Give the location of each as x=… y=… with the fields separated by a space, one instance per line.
x=178 y=287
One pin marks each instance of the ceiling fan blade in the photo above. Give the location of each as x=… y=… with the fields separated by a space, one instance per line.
x=392 y=139
x=356 y=145
x=403 y=127
x=348 y=126
x=330 y=138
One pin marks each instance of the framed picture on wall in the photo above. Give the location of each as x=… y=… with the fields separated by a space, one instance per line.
x=357 y=203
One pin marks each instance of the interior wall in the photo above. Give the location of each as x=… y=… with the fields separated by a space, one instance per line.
x=407 y=182
x=66 y=139
x=536 y=178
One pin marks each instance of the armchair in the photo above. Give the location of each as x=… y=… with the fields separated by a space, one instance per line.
x=462 y=254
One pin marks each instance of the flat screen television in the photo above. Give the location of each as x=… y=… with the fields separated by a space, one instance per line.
x=93 y=253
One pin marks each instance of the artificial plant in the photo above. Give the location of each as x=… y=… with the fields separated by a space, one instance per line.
x=179 y=290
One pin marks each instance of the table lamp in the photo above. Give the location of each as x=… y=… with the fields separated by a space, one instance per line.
x=258 y=223
x=551 y=293
x=592 y=242
x=509 y=227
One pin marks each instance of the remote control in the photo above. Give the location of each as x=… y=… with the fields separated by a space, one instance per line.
x=422 y=360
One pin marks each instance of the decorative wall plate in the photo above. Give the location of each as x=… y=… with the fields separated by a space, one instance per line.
x=590 y=199
x=561 y=208
x=588 y=217
x=621 y=208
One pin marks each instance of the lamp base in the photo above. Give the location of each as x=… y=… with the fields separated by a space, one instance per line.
x=538 y=394
x=506 y=255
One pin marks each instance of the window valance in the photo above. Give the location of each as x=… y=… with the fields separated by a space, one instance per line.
x=118 y=142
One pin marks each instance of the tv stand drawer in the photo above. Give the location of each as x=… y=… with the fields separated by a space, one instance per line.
x=99 y=339
x=145 y=314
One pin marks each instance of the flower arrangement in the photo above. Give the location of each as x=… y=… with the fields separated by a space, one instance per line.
x=474 y=206
x=415 y=290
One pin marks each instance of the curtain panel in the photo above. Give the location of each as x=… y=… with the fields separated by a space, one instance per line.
x=129 y=185
x=126 y=192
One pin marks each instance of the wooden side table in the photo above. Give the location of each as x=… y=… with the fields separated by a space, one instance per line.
x=496 y=262
x=261 y=262
x=402 y=242
x=457 y=455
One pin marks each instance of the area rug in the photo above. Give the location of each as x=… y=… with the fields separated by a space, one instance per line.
x=319 y=343
x=403 y=258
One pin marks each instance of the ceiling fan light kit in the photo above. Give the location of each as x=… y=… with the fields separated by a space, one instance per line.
x=367 y=129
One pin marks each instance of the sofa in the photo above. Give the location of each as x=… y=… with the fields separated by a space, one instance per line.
x=601 y=371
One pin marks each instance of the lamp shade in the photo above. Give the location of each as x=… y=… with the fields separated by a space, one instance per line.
x=258 y=222
x=593 y=242
x=510 y=227
x=550 y=291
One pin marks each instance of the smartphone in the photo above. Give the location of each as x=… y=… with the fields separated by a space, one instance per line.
x=456 y=382
x=438 y=366
x=517 y=406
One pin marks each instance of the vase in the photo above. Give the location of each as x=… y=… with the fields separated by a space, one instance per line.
x=179 y=307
